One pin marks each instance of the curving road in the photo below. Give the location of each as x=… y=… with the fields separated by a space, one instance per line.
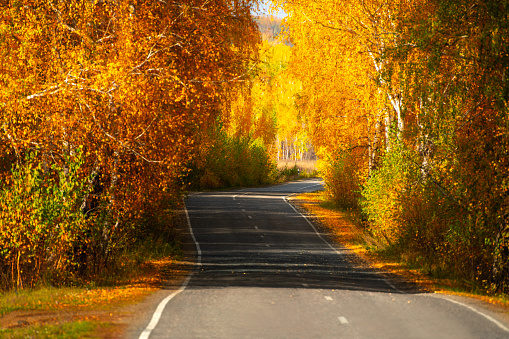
x=264 y=271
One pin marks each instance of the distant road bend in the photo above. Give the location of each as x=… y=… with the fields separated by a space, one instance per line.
x=264 y=271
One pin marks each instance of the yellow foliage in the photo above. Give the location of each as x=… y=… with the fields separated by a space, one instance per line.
x=135 y=84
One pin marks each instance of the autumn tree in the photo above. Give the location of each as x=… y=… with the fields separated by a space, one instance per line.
x=276 y=91
x=410 y=100
x=242 y=138
x=350 y=110
x=134 y=84
x=459 y=100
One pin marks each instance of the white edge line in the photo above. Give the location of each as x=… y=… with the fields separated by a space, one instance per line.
x=312 y=226
x=493 y=320
x=316 y=184
x=496 y=322
x=160 y=308
x=198 y=249
x=391 y=285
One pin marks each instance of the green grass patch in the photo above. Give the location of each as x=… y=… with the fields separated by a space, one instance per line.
x=46 y=298
x=70 y=330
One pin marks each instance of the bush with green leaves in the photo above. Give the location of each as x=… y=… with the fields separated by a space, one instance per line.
x=235 y=161
x=382 y=194
x=40 y=219
x=290 y=172
x=343 y=177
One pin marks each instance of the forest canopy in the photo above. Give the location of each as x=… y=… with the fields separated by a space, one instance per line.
x=105 y=108
x=406 y=103
x=110 y=111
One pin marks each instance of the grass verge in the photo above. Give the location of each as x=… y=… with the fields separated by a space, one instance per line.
x=78 y=312
x=290 y=170
x=69 y=330
x=344 y=227
x=101 y=309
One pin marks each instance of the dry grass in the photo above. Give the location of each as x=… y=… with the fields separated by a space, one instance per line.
x=77 y=312
x=98 y=312
x=308 y=166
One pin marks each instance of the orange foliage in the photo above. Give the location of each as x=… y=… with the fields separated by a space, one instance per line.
x=134 y=83
x=415 y=94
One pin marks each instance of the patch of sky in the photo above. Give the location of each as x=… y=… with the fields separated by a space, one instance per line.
x=264 y=10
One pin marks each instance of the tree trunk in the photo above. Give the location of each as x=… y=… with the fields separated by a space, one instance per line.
x=500 y=266
x=373 y=149
x=278 y=143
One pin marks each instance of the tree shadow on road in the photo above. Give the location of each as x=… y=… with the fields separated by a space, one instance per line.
x=290 y=268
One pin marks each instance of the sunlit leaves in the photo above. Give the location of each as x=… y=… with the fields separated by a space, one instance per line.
x=134 y=84
x=422 y=87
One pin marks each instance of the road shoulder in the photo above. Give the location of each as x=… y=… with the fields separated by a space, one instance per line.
x=338 y=228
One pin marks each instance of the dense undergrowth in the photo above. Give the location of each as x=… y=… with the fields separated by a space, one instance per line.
x=446 y=222
x=234 y=161
x=47 y=238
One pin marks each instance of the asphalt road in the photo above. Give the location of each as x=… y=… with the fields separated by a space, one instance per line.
x=264 y=271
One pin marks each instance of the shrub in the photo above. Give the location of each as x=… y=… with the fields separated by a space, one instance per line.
x=40 y=219
x=381 y=201
x=292 y=172
x=343 y=178
x=234 y=161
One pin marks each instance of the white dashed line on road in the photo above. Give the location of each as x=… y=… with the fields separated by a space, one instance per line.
x=328 y=298
x=343 y=320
